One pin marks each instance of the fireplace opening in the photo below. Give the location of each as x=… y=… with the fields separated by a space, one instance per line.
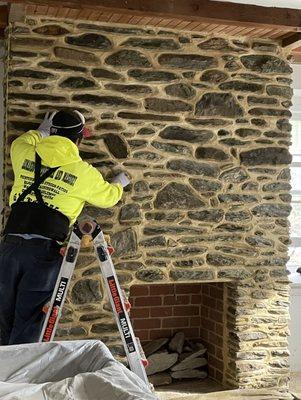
x=183 y=330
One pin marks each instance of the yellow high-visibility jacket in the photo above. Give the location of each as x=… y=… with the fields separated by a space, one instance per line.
x=74 y=183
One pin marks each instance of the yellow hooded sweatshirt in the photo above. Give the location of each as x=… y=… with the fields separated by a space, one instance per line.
x=72 y=184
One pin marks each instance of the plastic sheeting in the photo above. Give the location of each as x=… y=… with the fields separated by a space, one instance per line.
x=71 y=370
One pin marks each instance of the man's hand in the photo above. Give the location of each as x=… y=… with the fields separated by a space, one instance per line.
x=122 y=179
x=46 y=124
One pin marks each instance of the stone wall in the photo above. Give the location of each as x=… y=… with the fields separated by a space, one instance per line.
x=201 y=124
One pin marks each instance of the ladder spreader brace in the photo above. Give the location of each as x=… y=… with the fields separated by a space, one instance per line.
x=102 y=251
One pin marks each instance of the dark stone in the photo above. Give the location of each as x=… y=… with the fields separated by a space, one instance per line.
x=170 y=229
x=207 y=215
x=111 y=101
x=210 y=153
x=147 y=155
x=86 y=291
x=15 y=83
x=220 y=260
x=23 y=54
x=258 y=122
x=237 y=198
x=129 y=89
x=241 y=86
x=276 y=187
x=147 y=117
x=18 y=112
x=129 y=266
x=214 y=76
x=264 y=46
x=286 y=104
x=21 y=126
x=141 y=187
x=177 y=195
x=51 y=30
x=29 y=73
x=152 y=76
x=272 y=210
x=37 y=97
x=202 y=185
x=267 y=155
x=111 y=126
x=152 y=43
x=103 y=328
x=232 y=228
x=192 y=168
x=216 y=44
x=188 y=74
x=72 y=331
x=171 y=148
x=181 y=90
x=252 y=77
x=75 y=55
x=92 y=40
x=30 y=42
x=116 y=145
x=231 y=273
x=136 y=143
x=234 y=175
x=219 y=104
x=154 y=241
x=20 y=29
x=223 y=132
x=282 y=91
x=266 y=64
x=238 y=43
x=284 y=125
x=146 y=131
x=39 y=86
x=124 y=242
x=237 y=216
x=253 y=100
x=233 y=142
x=150 y=275
x=208 y=122
x=191 y=275
x=77 y=82
x=179 y=252
x=187 y=135
x=128 y=58
x=162 y=216
x=247 y=132
x=285 y=174
x=187 y=61
x=91 y=317
x=163 y=105
x=105 y=74
x=232 y=66
x=115 y=29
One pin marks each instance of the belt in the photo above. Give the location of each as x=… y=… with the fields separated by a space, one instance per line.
x=29 y=242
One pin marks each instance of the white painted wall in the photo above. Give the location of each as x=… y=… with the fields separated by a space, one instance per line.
x=269 y=3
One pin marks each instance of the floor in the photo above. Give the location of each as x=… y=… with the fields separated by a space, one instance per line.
x=210 y=390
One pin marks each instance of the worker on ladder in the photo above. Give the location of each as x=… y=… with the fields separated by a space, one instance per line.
x=52 y=184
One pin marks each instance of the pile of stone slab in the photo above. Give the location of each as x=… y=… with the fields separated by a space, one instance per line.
x=175 y=359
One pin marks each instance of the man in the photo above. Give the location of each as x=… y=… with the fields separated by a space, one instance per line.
x=51 y=186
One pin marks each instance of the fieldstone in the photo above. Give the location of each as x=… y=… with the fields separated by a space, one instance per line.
x=150 y=275
x=129 y=89
x=147 y=117
x=115 y=29
x=238 y=216
x=30 y=42
x=207 y=215
x=86 y=291
x=154 y=242
x=163 y=105
x=162 y=216
x=19 y=112
x=241 y=86
x=39 y=86
x=130 y=212
x=285 y=174
x=191 y=275
x=234 y=142
x=110 y=101
x=91 y=317
x=202 y=185
x=124 y=242
x=276 y=187
x=270 y=112
x=284 y=125
x=72 y=331
x=152 y=76
x=128 y=58
x=253 y=100
x=267 y=155
x=15 y=83
x=176 y=344
x=92 y=40
x=221 y=260
x=103 y=328
x=21 y=126
x=105 y=74
x=51 y=30
x=237 y=273
x=161 y=362
x=232 y=228
x=215 y=122
x=187 y=135
x=171 y=148
x=190 y=364
x=111 y=126
x=137 y=143
x=147 y=155
x=77 y=82
x=211 y=153
x=189 y=374
x=181 y=90
x=116 y=145
x=220 y=105
x=264 y=46
x=24 y=54
x=216 y=44
x=76 y=55
x=247 y=132
x=37 y=97
x=29 y=73
x=234 y=175
x=272 y=210
x=170 y=229
x=160 y=379
x=232 y=65
x=154 y=346
x=237 y=198
x=214 y=76
x=188 y=263
x=258 y=122
x=152 y=43
x=192 y=167
x=187 y=61
x=129 y=266
x=282 y=91
x=266 y=64
x=177 y=195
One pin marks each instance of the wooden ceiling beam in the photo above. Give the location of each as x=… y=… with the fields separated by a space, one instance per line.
x=217 y=12
x=293 y=41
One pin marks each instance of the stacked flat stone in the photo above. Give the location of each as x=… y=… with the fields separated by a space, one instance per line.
x=201 y=124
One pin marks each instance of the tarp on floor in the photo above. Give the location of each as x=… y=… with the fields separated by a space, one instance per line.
x=71 y=370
